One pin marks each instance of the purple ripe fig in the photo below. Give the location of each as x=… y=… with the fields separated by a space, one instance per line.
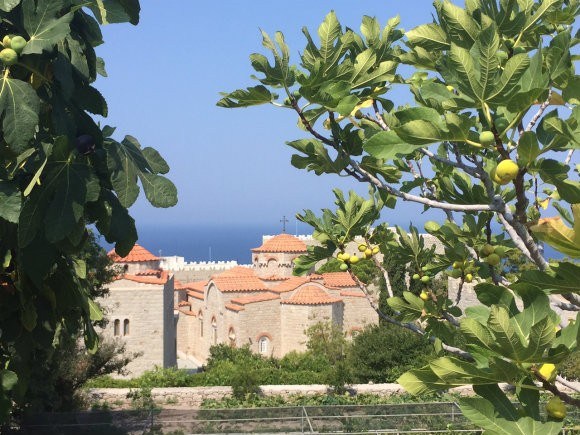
x=85 y=144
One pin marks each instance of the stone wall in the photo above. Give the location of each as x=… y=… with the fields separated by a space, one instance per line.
x=193 y=397
x=140 y=305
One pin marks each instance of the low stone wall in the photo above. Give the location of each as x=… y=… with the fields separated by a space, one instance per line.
x=194 y=396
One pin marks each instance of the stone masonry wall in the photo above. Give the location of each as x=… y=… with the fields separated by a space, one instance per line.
x=193 y=397
x=140 y=305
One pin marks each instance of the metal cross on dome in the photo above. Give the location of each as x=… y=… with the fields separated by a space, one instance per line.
x=284 y=222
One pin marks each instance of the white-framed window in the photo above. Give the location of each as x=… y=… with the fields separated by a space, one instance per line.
x=264 y=345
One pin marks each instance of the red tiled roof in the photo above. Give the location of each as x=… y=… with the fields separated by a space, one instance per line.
x=138 y=254
x=290 y=284
x=197 y=285
x=310 y=295
x=235 y=272
x=234 y=307
x=282 y=243
x=149 y=272
x=353 y=294
x=161 y=279
x=338 y=279
x=239 y=283
x=244 y=300
x=274 y=278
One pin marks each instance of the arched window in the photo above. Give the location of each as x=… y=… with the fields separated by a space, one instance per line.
x=126 y=327
x=232 y=337
x=200 y=317
x=213 y=330
x=263 y=345
x=116 y=327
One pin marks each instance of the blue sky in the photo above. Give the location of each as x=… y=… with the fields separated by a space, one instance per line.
x=230 y=166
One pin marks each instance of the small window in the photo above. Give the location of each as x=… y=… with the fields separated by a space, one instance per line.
x=117 y=327
x=214 y=330
x=126 y=327
x=200 y=316
x=263 y=345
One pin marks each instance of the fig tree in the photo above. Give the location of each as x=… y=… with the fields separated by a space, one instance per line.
x=548 y=372
x=416 y=277
x=85 y=144
x=354 y=259
x=556 y=408
x=507 y=170
x=424 y=295
x=425 y=279
x=8 y=56
x=486 y=138
x=493 y=260
x=468 y=278
x=362 y=247
x=344 y=267
x=6 y=41
x=376 y=250
x=487 y=250
x=17 y=44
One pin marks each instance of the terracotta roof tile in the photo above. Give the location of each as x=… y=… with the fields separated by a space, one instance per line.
x=239 y=283
x=311 y=295
x=235 y=272
x=282 y=243
x=274 y=278
x=197 y=285
x=353 y=294
x=245 y=300
x=338 y=279
x=290 y=284
x=234 y=307
x=149 y=272
x=138 y=254
x=159 y=280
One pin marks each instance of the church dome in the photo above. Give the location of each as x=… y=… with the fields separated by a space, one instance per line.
x=282 y=243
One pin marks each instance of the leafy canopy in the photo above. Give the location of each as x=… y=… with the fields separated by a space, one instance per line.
x=491 y=69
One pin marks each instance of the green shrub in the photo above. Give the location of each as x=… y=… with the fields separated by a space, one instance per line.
x=164 y=377
x=245 y=383
x=381 y=353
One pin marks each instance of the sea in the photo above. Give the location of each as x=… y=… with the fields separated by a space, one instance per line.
x=220 y=242
x=208 y=242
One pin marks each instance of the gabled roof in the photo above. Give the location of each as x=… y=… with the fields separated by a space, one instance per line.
x=196 y=285
x=239 y=283
x=238 y=304
x=137 y=255
x=160 y=279
x=290 y=284
x=282 y=243
x=310 y=295
x=235 y=272
x=245 y=300
x=338 y=279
